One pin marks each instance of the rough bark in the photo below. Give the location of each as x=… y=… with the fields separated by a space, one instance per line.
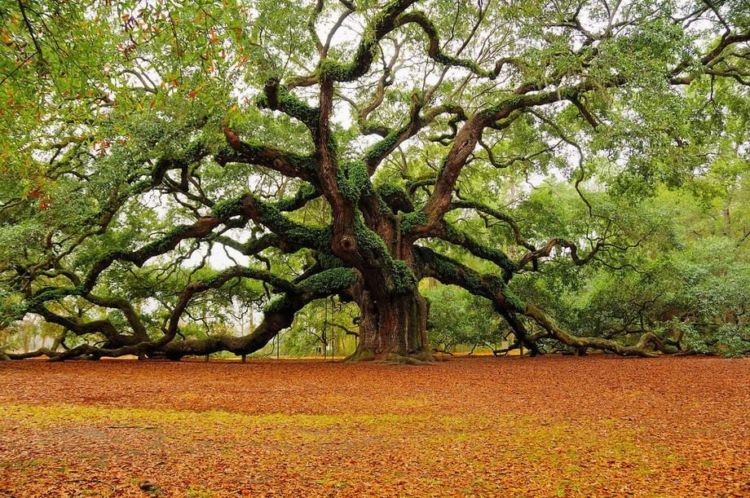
x=393 y=329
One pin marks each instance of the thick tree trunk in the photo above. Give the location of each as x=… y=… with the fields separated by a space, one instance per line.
x=393 y=328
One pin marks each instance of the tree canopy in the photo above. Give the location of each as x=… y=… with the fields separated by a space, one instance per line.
x=581 y=166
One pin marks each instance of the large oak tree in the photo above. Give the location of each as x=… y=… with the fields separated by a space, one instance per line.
x=334 y=148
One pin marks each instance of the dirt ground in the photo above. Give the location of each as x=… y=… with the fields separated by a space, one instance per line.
x=556 y=426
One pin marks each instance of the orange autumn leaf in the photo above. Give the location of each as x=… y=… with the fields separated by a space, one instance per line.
x=546 y=427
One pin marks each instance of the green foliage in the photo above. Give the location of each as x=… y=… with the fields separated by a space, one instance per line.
x=459 y=318
x=687 y=280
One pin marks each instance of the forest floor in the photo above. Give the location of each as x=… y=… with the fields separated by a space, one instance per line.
x=553 y=426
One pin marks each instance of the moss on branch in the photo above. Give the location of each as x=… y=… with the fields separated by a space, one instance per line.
x=410 y=221
x=353 y=181
x=450 y=234
x=305 y=194
x=277 y=97
x=329 y=281
x=395 y=198
x=227 y=208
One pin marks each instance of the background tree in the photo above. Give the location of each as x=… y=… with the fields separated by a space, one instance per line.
x=341 y=148
x=458 y=318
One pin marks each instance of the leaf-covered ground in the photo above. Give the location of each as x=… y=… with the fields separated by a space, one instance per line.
x=599 y=426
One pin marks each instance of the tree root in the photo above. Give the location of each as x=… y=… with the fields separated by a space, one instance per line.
x=423 y=358
x=420 y=358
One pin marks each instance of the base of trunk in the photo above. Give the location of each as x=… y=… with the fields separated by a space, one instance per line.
x=421 y=358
